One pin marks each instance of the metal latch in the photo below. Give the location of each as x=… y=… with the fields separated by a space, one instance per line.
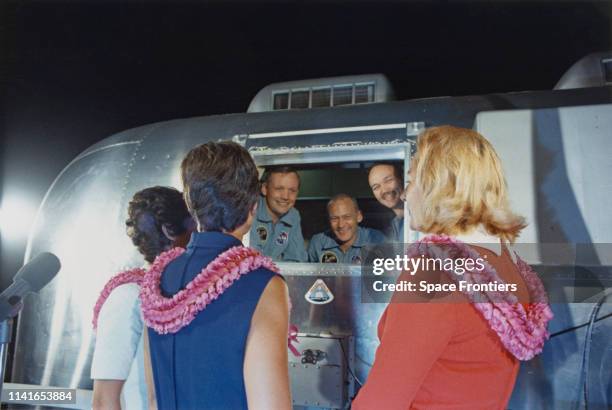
x=313 y=356
x=240 y=139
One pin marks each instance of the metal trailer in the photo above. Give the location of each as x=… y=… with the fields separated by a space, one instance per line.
x=557 y=154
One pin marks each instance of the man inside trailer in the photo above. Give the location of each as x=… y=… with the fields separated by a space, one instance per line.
x=277 y=230
x=385 y=180
x=345 y=239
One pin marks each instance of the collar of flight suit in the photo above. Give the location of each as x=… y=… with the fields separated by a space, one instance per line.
x=331 y=243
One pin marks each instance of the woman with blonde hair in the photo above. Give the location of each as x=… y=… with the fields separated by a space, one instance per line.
x=462 y=349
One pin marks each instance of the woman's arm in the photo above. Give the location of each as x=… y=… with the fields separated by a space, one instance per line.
x=266 y=372
x=106 y=394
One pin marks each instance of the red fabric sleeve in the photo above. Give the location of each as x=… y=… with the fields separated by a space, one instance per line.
x=414 y=336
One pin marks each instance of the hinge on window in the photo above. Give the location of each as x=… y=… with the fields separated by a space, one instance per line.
x=414 y=128
x=240 y=139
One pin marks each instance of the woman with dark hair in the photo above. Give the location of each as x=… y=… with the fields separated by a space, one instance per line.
x=460 y=349
x=218 y=312
x=157 y=221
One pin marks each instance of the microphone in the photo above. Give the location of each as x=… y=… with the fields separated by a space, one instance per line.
x=32 y=277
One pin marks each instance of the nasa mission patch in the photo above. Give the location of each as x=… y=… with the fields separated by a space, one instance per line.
x=319 y=293
x=329 y=257
x=282 y=238
x=262 y=232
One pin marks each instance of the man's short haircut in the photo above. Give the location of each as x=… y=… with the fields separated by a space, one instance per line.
x=338 y=197
x=398 y=170
x=280 y=169
x=220 y=185
x=148 y=211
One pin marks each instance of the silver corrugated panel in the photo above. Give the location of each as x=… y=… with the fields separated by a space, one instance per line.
x=82 y=221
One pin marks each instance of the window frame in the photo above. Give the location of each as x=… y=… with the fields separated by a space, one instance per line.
x=359 y=151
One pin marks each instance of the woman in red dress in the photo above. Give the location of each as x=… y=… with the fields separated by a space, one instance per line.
x=452 y=353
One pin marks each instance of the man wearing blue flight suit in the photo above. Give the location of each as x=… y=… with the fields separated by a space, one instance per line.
x=277 y=230
x=386 y=183
x=343 y=242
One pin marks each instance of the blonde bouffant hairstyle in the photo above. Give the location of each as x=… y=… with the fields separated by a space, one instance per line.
x=462 y=184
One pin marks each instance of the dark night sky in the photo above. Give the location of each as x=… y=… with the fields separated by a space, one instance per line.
x=74 y=73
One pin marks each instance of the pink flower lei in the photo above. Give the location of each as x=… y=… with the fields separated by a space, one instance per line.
x=169 y=315
x=129 y=276
x=521 y=330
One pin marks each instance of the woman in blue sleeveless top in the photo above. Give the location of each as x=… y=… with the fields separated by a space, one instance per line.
x=233 y=353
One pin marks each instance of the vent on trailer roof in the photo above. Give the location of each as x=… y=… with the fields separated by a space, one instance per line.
x=323 y=92
x=594 y=70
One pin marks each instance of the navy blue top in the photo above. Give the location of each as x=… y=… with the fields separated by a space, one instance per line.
x=201 y=366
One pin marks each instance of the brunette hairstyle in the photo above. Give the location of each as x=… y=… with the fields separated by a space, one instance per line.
x=463 y=185
x=220 y=185
x=148 y=211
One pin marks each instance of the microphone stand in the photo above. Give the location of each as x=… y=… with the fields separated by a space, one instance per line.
x=33 y=276
x=6 y=332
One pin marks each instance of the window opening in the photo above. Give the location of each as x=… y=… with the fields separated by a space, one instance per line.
x=281 y=101
x=319 y=182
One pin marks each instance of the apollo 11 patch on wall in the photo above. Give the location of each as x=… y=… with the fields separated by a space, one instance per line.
x=319 y=293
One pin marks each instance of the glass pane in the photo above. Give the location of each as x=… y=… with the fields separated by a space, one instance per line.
x=281 y=101
x=299 y=99
x=607 y=69
x=321 y=97
x=343 y=95
x=364 y=93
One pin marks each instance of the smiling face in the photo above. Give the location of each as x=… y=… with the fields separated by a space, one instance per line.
x=344 y=219
x=386 y=186
x=281 y=191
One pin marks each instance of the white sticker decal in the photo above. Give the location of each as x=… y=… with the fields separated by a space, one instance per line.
x=319 y=293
